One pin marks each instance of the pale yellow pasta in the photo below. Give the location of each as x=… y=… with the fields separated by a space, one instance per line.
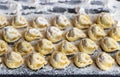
x=105 y=20
x=3 y=21
x=54 y=34
x=74 y=34
x=10 y=34
x=82 y=59
x=40 y=22
x=117 y=57
x=95 y=32
x=19 y=21
x=23 y=47
x=13 y=60
x=115 y=33
x=45 y=47
x=33 y=34
x=68 y=48
x=109 y=45
x=104 y=61
x=61 y=21
x=59 y=60
x=3 y=47
x=88 y=46
x=82 y=21
x=36 y=61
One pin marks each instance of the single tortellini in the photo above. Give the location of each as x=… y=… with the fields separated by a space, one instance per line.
x=88 y=46
x=36 y=61
x=40 y=22
x=3 y=47
x=13 y=60
x=105 y=20
x=19 y=21
x=45 y=47
x=82 y=59
x=59 y=60
x=68 y=48
x=61 y=21
x=54 y=34
x=117 y=57
x=23 y=48
x=115 y=33
x=82 y=21
x=109 y=45
x=3 y=21
x=75 y=34
x=95 y=32
x=104 y=61
x=33 y=34
x=11 y=34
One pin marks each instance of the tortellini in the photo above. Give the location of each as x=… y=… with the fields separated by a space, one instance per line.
x=88 y=46
x=95 y=32
x=23 y=48
x=109 y=45
x=19 y=22
x=117 y=57
x=115 y=33
x=61 y=21
x=10 y=34
x=3 y=21
x=82 y=59
x=3 y=47
x=105 y=20
x=13 y=60
x=68 y=48
x=59 y=60
x=75 y=34
x=104 y=61
x=33 y=34
x=82 y=21
x=36 y=61
x=45 y=47
x=54 y=34
x=40 y=22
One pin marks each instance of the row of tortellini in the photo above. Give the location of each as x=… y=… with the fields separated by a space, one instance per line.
x=59 y=60
x=81 y=21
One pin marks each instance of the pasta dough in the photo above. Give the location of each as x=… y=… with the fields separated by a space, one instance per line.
x=3 y=47
x=117 y=57
x=82 y=59
x=104 y=61
x=23 y=48
x=105 y=20
x=3 y=21
x=88 y=46
x=95 y=32
x=54 y=34
x=33 y=34
x=40 y=22
x=82 y=21
x=109 y=45
x=13 y=60
x=19 y=22
x=115 y=33
x=68 y=48
x=45 y=47
x=10 y=34
x=59 y=60
x=36 y=61
x=61 y=21
x=75 y=34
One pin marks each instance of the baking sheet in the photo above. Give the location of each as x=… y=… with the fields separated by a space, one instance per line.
x=48 y=69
